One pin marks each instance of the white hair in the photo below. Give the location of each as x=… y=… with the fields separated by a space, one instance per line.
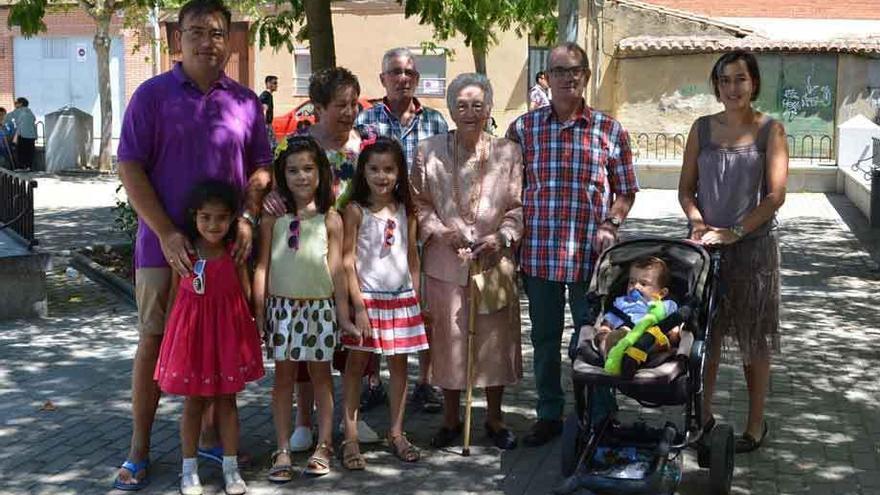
x=396 y=53
x=465 y=80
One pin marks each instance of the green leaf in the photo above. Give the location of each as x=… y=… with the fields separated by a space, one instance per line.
x=479 y=22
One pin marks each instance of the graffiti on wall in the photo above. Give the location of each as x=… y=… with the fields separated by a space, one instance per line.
x=800 y=89
x=809 y=97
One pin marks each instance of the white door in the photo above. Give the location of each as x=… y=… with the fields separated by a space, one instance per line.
x=52 y=72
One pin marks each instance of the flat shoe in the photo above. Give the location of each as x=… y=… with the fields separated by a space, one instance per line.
x=746 y=443
x=352 y=459
x=234 y=485
x=502 y=438
x=542 y=432
x=280 y=473
x=134 y=468
x=407 y=452
x=191 y=485
x=301 y=440
x=446 y=436
x=319 y=462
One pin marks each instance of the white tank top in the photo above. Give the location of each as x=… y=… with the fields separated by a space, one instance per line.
x=382 y=264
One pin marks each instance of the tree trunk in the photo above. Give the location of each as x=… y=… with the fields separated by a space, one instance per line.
x=479 y=58
x=567 y=22
x=320 y=28
x=102 y=49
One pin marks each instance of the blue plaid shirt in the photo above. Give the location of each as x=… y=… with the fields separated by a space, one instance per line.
x=379 y=120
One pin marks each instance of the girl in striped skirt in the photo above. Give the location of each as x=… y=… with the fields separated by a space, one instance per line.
x=382 y=264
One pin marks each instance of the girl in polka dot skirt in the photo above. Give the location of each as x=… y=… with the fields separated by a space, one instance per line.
x=300 y=277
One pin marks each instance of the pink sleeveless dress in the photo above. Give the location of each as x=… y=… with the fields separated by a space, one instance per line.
x=211 y=344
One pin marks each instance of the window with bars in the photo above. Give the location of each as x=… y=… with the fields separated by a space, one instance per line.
x=302 y=71
x=432 y=70
x=55 y=48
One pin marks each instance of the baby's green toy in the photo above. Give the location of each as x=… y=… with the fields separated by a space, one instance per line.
x=614 y=361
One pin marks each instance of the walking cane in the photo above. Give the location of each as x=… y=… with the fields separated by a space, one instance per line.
x=469 y=393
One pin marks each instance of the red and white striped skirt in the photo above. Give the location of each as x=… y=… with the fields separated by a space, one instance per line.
x=396 y=325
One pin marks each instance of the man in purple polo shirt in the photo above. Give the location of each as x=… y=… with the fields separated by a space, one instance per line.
x=182 y=127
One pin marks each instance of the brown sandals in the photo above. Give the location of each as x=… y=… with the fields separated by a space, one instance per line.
x=281 y=473
x=401 y=447
x=352 y=459
x=319 y=462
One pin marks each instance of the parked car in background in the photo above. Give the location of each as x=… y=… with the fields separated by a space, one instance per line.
x=304 y=115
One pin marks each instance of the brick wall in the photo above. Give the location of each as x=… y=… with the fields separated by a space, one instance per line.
x=73 y=23
x=138 y=64
x=801 y=9
x=6 y=65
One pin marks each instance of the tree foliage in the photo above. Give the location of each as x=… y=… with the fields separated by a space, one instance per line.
x=287 y=21
x=28 y=16
x=277 y=23
x=480 y=21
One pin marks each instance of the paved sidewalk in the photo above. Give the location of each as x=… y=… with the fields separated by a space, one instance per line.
x=823 y=408
x=75 y=210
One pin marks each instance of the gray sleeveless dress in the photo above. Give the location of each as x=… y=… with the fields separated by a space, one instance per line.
x=731 y=184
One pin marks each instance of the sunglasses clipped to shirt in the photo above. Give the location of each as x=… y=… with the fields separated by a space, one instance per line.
x=293 y=239
x=390 y=225
x=199 y=279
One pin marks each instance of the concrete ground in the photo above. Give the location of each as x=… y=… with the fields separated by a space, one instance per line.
x=65 y=379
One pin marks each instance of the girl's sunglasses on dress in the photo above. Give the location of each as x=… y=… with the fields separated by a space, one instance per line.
x=199 y=280
x=390 y=225
x=293 y=239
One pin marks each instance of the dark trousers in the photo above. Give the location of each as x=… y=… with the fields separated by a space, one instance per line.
x=24 y=152
x=547 y=313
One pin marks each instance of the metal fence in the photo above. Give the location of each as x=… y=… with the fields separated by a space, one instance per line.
x=17 y=205
x=659 y=146
x=668 y=146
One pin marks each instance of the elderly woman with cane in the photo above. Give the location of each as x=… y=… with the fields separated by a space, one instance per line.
x=466 y=186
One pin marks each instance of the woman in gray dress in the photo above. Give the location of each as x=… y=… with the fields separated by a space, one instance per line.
x=732 y=183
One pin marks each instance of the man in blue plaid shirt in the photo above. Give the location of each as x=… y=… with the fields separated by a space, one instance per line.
x=578 y=186
x=400 y=115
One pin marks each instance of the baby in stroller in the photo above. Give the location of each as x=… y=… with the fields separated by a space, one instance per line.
x=648 y=281
x=675 y=282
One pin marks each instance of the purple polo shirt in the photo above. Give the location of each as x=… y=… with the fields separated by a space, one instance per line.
x=182 y=136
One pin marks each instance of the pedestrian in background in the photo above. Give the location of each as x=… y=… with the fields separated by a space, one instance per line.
x=268 y=103
x=24 y=135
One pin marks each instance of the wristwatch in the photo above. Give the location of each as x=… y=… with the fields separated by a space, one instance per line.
x=254 y=221
x=738 y=230
x=504 y=239
x=615 y=221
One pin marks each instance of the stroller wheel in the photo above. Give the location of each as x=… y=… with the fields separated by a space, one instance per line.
x=572 y=444
x=721 y=454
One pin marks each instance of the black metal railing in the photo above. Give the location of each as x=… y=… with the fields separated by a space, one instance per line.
x=670 y=146
x=17 y=205
x=807 y=146
x=659 y=146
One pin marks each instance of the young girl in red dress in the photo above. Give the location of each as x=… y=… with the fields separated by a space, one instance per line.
x=211 y=346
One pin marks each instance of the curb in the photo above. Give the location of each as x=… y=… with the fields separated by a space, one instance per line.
x=104 y=277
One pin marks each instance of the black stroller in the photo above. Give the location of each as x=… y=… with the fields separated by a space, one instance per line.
x=610 y=457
